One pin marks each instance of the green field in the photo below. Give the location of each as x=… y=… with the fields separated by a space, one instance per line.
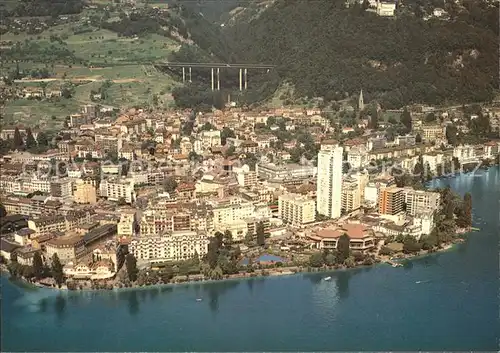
x=124 y=61
x=33 y=112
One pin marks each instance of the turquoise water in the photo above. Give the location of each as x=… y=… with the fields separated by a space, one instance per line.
x=454 y=307
x=265 y=258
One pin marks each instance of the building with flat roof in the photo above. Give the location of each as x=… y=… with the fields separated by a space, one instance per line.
x=296 y=210
x=418 y=201
x=391 y=201
x=271 y=171
x=329 y=180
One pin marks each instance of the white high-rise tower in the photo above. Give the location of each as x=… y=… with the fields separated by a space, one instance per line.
x=329 y=180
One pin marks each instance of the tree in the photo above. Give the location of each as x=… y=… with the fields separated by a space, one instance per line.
x=350 y=262
x=330 y=259
x=406 y=119
x=464 y=219
x=38 y=266
x=207 y=127
x=316 y=260
x=27 y=272
x=230 y=151
x=30 y=140
x=42 y=139
x=385 y=250
x=418 y=170
x=57 y=270
x=131 y=264
x=429 y=242
x=261 y=238
x=17 y=143
x=343 y=248
x=193 y=156
x=228 y=239
x=452 y=135
x=170 y=185
x=411 y=245
x=418 y=138
x=167 y=274
x=373 y=121
x=226 y=133
x=213 y=251
x=3 y=211
x=430 y=118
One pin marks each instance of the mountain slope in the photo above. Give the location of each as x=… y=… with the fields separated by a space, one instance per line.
x=325 y=49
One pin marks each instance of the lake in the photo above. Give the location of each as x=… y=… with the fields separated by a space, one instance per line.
x=447 y=301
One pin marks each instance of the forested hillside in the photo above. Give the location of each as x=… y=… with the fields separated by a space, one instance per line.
x=23 y=8
x=326 y=49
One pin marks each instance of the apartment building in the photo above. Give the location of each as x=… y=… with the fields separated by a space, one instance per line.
x=329 y=180
x=491 y=149
x=84 y=193
x=351 y=195
x=155 y=222
x=433 y=133
x=48 y=224
x=245 y=177
x=406 y=140
x=465 y=154
x=385 y=8
x=116 y=189
x=375 y=143
x=126 y=225
x=206 y=140
x=357 y=157
x=234 y=210
x=418 y=201
x=61 y=188
x=296 y=210
x=58 y=223
x=270 y=171
x=434 y=159
x=391 y=201
x=171 y=246
x=30 y=206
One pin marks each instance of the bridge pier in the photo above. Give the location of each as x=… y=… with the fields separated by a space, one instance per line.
x=190 y=77
x=246 y=81
x=218 y=79
x=241 y=80
x=213 y=79
x=183 y=74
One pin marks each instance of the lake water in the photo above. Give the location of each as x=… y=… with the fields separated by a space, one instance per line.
x=454 y=305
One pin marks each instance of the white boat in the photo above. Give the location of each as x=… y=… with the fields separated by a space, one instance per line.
x=327 y=278
x=199 y=299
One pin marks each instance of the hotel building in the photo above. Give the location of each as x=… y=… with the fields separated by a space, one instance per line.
x=296 y=210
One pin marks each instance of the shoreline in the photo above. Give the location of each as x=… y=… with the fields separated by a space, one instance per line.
x=284 y=271
x=262 y=273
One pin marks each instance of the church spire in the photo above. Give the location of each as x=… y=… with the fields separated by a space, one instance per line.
x=361 y=103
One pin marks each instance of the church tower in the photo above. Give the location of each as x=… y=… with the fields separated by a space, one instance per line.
x=361 y=103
